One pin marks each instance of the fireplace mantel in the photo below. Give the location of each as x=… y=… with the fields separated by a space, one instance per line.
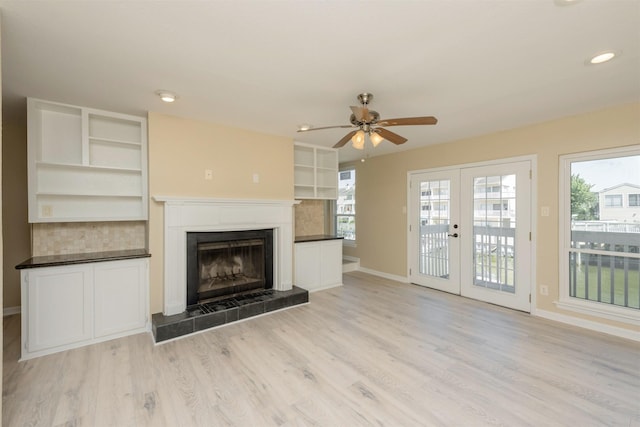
x=182 y=215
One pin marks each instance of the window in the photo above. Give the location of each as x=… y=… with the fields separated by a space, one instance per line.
x=634 y=200
x=600 y=238
x=345 y=225
x=613 y=200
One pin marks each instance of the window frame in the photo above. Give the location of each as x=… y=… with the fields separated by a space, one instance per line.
x=346 y=242
x=611 y=198
x=565 y=300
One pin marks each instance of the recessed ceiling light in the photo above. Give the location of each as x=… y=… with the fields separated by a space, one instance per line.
x=566 y=2
x=166 y=96
x=603 y=57
x=305 y=126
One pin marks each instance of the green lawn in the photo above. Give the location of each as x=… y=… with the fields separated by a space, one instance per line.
x=605 y=286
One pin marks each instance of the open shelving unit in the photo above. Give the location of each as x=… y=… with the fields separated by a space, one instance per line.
x=315 y=172
x=85 y=164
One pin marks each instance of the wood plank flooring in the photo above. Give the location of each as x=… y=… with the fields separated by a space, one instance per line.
x=373 y=352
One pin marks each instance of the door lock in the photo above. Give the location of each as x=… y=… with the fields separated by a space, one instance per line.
x=453 y=235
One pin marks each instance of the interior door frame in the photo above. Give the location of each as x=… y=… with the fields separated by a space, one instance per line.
x=534 y=209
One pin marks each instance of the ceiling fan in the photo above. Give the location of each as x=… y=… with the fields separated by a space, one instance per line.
x=368 y=122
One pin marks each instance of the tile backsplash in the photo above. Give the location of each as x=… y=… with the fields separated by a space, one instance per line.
x=310 y=217
x=62 y=238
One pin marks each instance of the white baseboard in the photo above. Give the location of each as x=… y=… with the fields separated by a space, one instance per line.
x=402 y=279
x=589 y=324
x=8 y=311
x=353 y=264
x=324 y=288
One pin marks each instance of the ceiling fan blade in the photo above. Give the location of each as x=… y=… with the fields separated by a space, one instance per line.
x=407 y=121
x=345 y=139
x=359 y=112
x=391 y=137
x=362 y=114
x=326 y=127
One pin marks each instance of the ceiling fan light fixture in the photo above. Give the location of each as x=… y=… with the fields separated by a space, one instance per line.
x=375 y=138
x=358 y=140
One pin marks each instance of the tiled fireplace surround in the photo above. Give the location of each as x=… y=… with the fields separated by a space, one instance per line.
x=183 y=215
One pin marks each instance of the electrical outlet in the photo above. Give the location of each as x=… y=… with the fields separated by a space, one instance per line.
x=47 y=211
x=256 y=178
x=544 y=290
x=544 y=211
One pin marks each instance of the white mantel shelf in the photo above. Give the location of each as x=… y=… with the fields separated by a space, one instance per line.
x=191 y=214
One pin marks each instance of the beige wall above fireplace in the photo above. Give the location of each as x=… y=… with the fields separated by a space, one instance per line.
x=180 y=150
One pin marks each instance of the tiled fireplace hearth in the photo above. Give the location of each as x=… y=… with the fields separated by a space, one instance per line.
x=188 y=216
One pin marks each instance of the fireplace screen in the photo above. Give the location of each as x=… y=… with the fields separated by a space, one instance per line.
x=227 y=263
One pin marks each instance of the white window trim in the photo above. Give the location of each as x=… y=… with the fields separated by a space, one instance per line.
x=347 y=242
x=565 y=301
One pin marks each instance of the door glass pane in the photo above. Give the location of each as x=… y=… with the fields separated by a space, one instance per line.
x=494 y=226
x=435 y=203
x=604 y=265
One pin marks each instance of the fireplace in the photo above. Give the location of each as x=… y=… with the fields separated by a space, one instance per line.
x=261 y=229
x=228 y=263
x=201 y=215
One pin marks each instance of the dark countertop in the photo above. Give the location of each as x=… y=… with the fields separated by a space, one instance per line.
x=58 y=260
x=316 y=238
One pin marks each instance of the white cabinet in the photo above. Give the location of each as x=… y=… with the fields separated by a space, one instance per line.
x=85 y=164
x=120 y=297
x=71 y=306
x=318 y=264
x=59 y=311
x=315 y=172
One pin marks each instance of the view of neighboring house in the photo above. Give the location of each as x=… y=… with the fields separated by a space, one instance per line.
x=435 y=202
x=494 y=201
x=620 y=203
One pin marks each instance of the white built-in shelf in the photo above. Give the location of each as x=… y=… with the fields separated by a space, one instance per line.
x=315 y=172
x=86 y=167
x=85 y=164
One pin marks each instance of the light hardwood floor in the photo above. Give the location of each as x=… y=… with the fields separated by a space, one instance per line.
x=374 y=352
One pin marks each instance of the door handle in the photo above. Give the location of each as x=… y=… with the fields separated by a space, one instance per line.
x=453 y=235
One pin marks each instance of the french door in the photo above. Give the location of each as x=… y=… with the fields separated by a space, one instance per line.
x=469 y=232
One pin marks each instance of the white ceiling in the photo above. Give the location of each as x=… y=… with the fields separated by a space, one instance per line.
x=478 y=66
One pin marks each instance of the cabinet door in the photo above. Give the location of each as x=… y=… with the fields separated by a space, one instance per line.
x=58 y=307
x=120 y=296
x=331 y=259
x=308 y=265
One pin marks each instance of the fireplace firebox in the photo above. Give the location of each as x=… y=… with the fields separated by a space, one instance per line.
x=227 y=263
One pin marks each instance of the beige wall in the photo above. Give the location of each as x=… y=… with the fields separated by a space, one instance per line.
x=179 y=152
x=15 y=227
x=382 y=184
x=1 y=235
